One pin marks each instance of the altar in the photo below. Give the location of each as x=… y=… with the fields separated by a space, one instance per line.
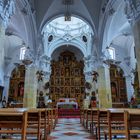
x=67 y=103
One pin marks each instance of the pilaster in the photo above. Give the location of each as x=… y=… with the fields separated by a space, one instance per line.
x=104 y=89
x=136 y=31
x=30 y=87
x=6 y=86
x=129 y=87
x=7 y=9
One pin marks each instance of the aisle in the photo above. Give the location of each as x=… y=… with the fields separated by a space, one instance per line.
x=69 y=129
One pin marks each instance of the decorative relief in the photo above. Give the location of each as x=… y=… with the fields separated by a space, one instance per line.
x=132 y=10
x=7 y=9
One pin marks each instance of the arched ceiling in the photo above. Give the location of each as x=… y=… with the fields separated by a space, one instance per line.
x=22 y=23
x=88 y=10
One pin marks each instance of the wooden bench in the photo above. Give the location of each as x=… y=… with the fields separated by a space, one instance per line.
x=101 y=124
x=132 y=123
x=39 y=121
x=93 y=120
x=33 y=122
x=13 y=123
x=115 y=123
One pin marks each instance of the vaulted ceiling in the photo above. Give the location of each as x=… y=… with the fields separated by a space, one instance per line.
x=106 y=17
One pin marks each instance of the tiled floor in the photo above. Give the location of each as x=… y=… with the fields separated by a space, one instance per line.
x=69 y=129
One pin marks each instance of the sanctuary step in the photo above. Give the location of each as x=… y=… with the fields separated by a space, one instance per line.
x=69 y=113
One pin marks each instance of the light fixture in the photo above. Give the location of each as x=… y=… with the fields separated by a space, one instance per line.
x=67 y=15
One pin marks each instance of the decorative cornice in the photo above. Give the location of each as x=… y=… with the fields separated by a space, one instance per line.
x=7 y=9
x=132 y=10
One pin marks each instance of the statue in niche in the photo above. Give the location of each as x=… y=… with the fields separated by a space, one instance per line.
x=21 y=89
x=73 y=61
x=67 y=71
x=66 y=60
x=114 y=91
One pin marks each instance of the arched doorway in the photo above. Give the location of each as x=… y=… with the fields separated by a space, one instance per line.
x=67 y=78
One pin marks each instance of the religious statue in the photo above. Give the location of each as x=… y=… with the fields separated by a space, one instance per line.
x=95 y=75
x=21 y=90
x=40 y=75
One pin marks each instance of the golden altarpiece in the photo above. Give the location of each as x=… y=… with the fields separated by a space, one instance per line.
x=67 y=78
x=16 y=89
x=118 y=86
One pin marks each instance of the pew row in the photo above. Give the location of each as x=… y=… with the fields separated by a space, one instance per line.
x=109 y=123
x=27 y=122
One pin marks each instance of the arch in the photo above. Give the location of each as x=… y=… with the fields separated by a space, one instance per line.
x=23 y=24
x=47 y=21
x=113 y=28
x=59 y=43
x=74 y=32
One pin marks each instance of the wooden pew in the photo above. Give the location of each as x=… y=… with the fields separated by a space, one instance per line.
x=112 y=121
x=46 y=121
x=93 y=121
x=88 y=115
x=101 y=124
x=132 y=123
x=115 y=123
x=34 y=123
x=39 y=121
x=13 y=123
x=84 y=113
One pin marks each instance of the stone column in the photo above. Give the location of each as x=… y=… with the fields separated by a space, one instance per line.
x=7 y=9
x=88 y=78
x=136 y=30
x=129 y=87
x=30 y=87
x=2 y=39
x=6 y=86
x=45 y=64
x=104 y=89
x=132 y=11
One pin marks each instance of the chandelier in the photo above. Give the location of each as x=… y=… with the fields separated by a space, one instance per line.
x=67 y=15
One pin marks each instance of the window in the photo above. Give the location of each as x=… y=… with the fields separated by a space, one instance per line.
x=111 y=53
x=22 y=52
